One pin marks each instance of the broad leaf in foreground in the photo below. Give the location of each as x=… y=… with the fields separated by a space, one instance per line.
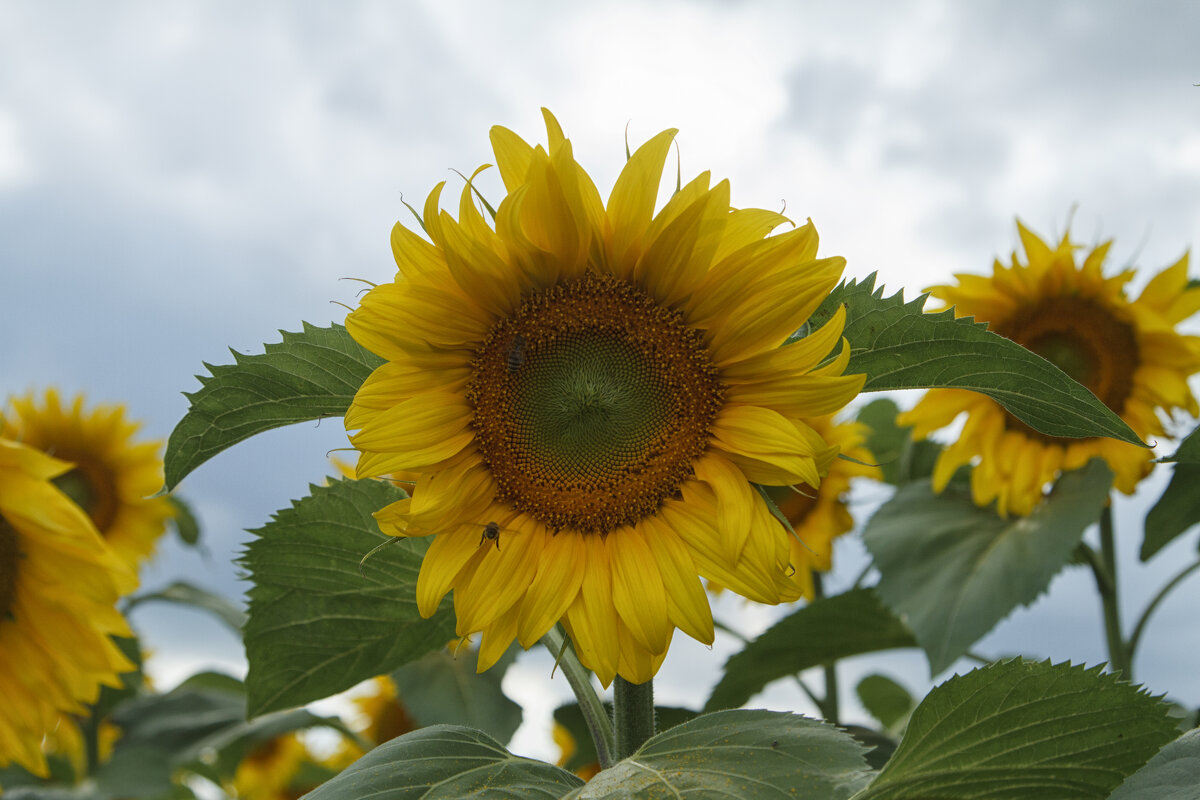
x=952 y=570
x=1173 y=773
x=759 y=754
x=584 y=755
x=899 y=346
x=823 y=631
x=317 y=624
x=443 y=762
x=1023 y=730
x=309 y=375
x=885 y=700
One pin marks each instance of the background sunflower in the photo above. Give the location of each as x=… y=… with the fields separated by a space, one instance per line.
x=58 y=586
x=113 y=476
x=1064 y=308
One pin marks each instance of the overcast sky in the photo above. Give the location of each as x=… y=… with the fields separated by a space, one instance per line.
x=178 y=178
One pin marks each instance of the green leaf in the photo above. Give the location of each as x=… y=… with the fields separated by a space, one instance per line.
x=441 y=688
x=952 y=570
x=317 y=625
x=186 y=526
x=1172 y=774
x=307 y=376
x=899 y=346
x=823 y=631
x=187 y=594
x=571 y=718
x=1189 y=450
x=445 y=761
x=900 y=459
x=759 y=754
x=1175 y=512
x=885 y=700
x=1021 y=730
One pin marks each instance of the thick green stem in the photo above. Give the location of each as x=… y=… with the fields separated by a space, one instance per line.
x=1118 y=653
x=580 y=680
x=1136 y=636
x=633 y=715
x=830 y=708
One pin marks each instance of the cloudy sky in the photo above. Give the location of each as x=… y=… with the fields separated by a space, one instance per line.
x=178 y=178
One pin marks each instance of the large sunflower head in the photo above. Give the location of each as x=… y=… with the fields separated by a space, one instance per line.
x=58 y=586
x=589 y=392
x=1062 y=307
x=113 y=476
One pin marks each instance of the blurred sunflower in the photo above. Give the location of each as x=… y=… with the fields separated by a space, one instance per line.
x=1127 y=352
x=113 y=476
x=268 y=771
x=605 y=384
x=820 y=517
x=58 y=586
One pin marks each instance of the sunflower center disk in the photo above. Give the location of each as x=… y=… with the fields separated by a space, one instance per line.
x=92 y=490
x=1084 y=340
x=591 y=403
x=10 y=556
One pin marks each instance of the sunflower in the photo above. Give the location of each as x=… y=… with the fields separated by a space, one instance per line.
x=819 y=518
x=113 y=476
x=58 y=586
x=1127 y=352
x=590 y=393
x=269 y=770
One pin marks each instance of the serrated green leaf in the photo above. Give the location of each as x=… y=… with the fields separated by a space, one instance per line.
x=828 y=629
x=1172 y=774
x=952 y=570
x=187 y=528
x=885 y=700
x=759 y=754
x=1175 y=512
x=307 y=376
x=900 y=459
x=445 y=761
x=1022 y=730
x=571 y=719
x=443 y=688
x=187 y=594
x=317 y=625
x=899 y=346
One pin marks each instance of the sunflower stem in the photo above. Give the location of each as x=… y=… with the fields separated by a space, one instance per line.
x=633 y=715
x=1118 y=652
x=1136 y=636
x=830 y=707
x=580 y=679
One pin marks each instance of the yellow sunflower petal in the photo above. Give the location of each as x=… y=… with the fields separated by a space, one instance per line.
x=554 y=587
x=637 y=589
x=631 y=204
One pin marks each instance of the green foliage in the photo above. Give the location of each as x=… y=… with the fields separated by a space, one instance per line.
x=1175 y=512
x=445 y=761
x=184 y=521
x=1189 y=450
x=828 y=629
x=885 y=700
x=899 y=346
x=571 y=718
x=900 y=459
x=187 y=594
x=952 y=570
x=1022 y=730
x=1173 y=773
x=317 y=625
x=759 y=754
x=442 y=688
x=309 y=375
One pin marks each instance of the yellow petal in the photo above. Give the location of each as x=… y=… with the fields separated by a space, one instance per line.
x=502 y=577
x=687 y=603
x=631 y=203
x=496 y=638
x=423 y=429
x=513 y=155
x=592 y=617
x=637 y=589
x=444 y=559
x=734 y=501
x=770 y=448
x=554 y=588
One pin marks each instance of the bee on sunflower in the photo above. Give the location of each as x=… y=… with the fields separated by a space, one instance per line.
x=1062 y=307
x=607 y=384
